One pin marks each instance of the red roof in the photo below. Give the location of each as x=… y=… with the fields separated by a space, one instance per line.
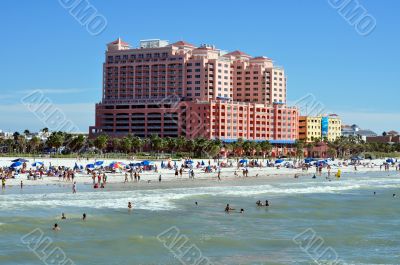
x=182 y=43
x=238 y=53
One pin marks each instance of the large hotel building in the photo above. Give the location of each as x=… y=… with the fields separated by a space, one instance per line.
x=180 y=89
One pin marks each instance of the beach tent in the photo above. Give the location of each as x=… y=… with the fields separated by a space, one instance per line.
x=242 y=161
x=20 y=160
x=37 y=164
x=16 y=164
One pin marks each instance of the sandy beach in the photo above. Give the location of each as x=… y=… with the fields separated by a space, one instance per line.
x=150 y=178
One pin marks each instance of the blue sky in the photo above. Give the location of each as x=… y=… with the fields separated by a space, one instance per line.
x=44 y=47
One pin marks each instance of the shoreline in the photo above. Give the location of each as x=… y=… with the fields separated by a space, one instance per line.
x=149 y=179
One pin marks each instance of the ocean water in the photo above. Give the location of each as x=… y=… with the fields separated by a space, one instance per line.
x=309 y=221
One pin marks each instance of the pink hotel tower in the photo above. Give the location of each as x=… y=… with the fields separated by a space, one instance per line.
x=182 y=90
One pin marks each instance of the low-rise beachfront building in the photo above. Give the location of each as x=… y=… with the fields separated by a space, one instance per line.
x=356 y=132
x=312 y=128
x=182 y=90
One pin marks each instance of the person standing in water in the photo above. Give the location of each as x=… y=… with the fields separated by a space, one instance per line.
x=63 y=216
x=22 y=184
x=159 y=178
x=74 y=187
x=130 y=206
x=56 y=227
x=84 y=217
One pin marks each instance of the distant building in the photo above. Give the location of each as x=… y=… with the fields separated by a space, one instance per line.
x=180 y=89
x=356 y=131
x=319 y=127
x=389 y=139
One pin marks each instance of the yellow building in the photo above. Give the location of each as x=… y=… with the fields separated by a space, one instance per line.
x=319 y=127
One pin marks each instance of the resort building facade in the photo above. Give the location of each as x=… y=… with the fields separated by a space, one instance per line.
x=182 y=90
x=319 y=128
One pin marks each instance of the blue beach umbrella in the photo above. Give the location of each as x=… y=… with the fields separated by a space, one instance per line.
x=20 y=160
x=90 y=166
x=390 y=160
x=145 y=163
x=37 y=164
x=98 y=163
x=242 y=161
x=279 y=161
x=16 y=164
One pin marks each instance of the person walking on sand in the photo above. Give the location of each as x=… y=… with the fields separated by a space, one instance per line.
x=219 y=173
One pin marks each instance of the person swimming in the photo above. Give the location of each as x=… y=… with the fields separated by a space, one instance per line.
x=241 y=210
x=84 y=217
x=196 y=203
x=394 y=195
x=63 y=216
x=258 y=203
x=314 y=176
x=266 y=203
x=56 y=227
x=228 y=208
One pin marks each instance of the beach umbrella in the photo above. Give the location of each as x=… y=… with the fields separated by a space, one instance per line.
x=202 y=162
x=242 y=161
x=308 y=160
x=146 y=163
x=20 y=160
x=390 y=160
x=98 y=163
x=279 y=161
x=189 y=162
x=117 y=165
x=16 y=164
x=37 y=164
x=90 y=166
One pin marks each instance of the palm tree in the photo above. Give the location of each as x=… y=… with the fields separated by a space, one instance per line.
x=266 y=147
x=115 y=144
x=55 y=140
x=34 y=144
x=101 y=142
x=137 y=143
x=156 y=142
x=126 y=144
x=299 y=147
